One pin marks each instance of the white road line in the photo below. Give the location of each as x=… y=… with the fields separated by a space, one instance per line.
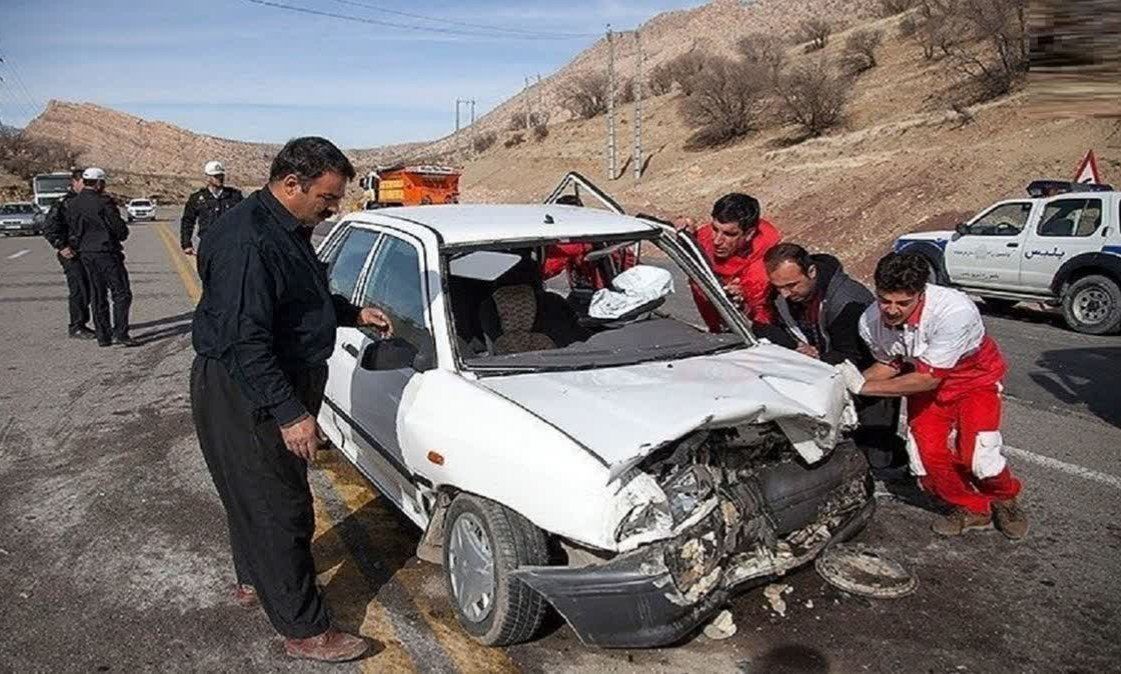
x=1063 y=466
x=18 y=254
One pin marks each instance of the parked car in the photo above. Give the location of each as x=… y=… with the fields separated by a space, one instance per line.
x=141 y=209
x=21 y=217
x=1061 y=246
x=623 y=465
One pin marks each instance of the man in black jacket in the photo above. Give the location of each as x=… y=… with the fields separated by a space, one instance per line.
x=818 y=308
x=95 y=230
x=206 y=205
x=263 y=331
x=77 y=282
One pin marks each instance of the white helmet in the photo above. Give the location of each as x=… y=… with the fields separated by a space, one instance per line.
x=214 y=168
x=93 y=173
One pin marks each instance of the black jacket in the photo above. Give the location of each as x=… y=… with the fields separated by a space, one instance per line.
x=836 y=334
x=94 y=223
x=266 y=311
x=205 y=208
x=54 y=227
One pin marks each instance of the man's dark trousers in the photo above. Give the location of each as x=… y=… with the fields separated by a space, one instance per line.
x=108 y=276
x=78 y=285
x=265 y=492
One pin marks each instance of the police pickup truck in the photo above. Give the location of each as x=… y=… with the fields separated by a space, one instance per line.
x=1060 y=246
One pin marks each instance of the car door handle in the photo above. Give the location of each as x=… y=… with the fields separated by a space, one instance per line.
x=351 y=349
x=1012 y=245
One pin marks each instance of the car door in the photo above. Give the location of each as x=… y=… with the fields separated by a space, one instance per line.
x=986 y=251
x=397 y=284
x=346 y=253
x=1067 y=226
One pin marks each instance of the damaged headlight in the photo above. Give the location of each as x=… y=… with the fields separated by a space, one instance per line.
x=642 y=512
x=687 y=490
x=647 y=519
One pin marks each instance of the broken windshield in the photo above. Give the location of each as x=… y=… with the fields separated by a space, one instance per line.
x=578 y=304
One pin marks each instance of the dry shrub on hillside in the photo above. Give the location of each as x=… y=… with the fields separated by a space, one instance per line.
x=726 y=102
x=816 y=32
x=893 y=7
x=584 y=96
x=764 y=49
x=812 y=95
x=859 y=54
x=26 y=157
x=484 y=141
x=681 y=69
x=540 y=132
x=984 y=40
x=518 y=121
x=514 y=141
x=660 y=81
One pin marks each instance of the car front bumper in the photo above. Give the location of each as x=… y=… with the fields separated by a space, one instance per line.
x=636 y=600
x=142 y=216
x=21 y=228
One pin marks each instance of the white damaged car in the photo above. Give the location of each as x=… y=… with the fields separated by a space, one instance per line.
x=579 y=441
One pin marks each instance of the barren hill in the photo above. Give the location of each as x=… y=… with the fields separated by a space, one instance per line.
x=147 y=156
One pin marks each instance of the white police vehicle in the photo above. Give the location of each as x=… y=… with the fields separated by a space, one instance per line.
x=1060 y=246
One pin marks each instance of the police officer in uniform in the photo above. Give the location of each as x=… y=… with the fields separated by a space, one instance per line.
x=54 y=231
x=206 y=205
x=96 y=230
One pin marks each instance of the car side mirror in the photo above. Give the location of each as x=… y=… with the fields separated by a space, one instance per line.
x=962 y=228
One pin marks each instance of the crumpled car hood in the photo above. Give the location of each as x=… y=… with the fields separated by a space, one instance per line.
x=624 y=413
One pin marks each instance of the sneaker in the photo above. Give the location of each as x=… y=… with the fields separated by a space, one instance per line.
x=101 y=343
x=959 y=521
x=331 y=646
x=82 y=333
x=126 y=341
x=1011 y=519
x=245 y=596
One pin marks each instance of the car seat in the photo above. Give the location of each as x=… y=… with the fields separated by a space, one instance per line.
x=516 y=311
x=520 y=315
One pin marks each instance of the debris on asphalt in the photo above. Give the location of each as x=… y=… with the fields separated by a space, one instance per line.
x=866 y=572
x=773 y=593
x=721 y=627
x=809 y=603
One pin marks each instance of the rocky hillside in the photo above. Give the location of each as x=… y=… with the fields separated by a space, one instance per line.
x=149 y=157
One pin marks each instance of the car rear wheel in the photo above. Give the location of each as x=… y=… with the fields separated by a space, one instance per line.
x=1092 y=305
x=484 y=543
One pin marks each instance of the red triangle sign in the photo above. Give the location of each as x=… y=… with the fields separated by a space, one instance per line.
x=1088 y=170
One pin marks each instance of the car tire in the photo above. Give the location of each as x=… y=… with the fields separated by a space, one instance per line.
x=1092 y=305
x=474 y=530
x=1000 y=305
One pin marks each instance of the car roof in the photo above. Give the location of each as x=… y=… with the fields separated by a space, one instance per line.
x=467 y=224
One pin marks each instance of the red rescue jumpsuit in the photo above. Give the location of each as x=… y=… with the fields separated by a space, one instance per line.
x=745 y=267
x=942 y=339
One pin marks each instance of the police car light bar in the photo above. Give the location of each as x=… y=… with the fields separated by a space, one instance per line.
x=1047 y=188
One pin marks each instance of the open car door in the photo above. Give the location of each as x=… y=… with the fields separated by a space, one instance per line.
x=579 y=186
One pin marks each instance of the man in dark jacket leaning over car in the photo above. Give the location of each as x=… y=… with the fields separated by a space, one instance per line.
x=817 y=308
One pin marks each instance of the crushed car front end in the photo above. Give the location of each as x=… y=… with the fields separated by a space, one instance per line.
x=742 y=507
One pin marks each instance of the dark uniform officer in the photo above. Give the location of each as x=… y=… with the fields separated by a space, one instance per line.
x=95 y=230
x=77 y=282
x=206 y=205
x=263 y=331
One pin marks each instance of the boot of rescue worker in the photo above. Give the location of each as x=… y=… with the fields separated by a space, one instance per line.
x=331 y=646
x=1010 y=518
x=960 y=520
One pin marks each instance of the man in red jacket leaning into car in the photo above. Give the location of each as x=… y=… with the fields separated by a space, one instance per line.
x=735 y=242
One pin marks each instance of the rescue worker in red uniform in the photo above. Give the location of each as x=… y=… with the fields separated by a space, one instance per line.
x=931 y=347
x=735 y=242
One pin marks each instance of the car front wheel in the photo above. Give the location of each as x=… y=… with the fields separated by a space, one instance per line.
x=484 y=543
x=1092 y=305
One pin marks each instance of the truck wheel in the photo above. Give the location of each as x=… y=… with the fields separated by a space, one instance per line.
x=483 y=543
x=1092 y=305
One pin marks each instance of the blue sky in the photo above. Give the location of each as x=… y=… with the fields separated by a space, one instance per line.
x=241 y=70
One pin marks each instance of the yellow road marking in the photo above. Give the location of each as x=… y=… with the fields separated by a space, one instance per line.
x=344 y=579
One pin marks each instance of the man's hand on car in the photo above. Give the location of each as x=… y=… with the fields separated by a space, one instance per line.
x=734 y=291
x=301 y=437
x=372 y=317
x=808 y=350
x=67 y=253
x=188 y=251
x=684 y=224
x=854 y=379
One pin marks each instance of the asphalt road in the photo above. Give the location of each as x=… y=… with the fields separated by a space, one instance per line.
x=113 y=551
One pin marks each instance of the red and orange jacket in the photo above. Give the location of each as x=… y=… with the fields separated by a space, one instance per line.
x=747 y=268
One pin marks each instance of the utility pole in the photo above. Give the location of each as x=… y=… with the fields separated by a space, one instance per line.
x=611 y=173
x=638 y=109
x=458 y=101
x=473 y=132
x=528 y=104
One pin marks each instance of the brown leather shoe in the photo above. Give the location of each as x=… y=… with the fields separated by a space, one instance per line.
x=331 y=646
x=245 y=596
x=1010 y=519
x=960 y=521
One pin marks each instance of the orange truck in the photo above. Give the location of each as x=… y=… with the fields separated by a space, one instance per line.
x=410 y=186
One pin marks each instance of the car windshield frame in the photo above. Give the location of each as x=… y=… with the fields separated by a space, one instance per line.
x=51 y=184
x=738 y=336
x=140 y=203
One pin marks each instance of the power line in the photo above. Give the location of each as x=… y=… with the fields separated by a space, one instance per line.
x=466 y=24
x=391 y=24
